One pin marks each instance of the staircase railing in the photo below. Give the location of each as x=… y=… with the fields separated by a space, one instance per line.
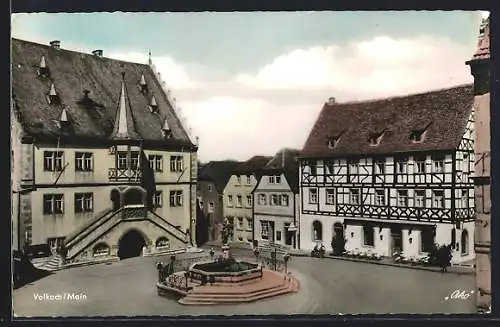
x=87 y=224
x=174 y=230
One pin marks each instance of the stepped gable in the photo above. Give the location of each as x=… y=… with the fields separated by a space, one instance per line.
x=218 y=172
x=345 y=129
x=88 y=86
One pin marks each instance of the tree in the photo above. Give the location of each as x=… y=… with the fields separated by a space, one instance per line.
x=338 y=245
x=226 y=231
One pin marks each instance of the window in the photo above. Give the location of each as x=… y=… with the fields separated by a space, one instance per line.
x=122 y=160
x=379 y=197
x=270 y=179
x=209 y=188
x=368 y=235
x=176 y=164
x=353 y=167
x=465 y=199
x=330 y=196
x=278 y=235
x=162 y=242
x=438 y=164
x=264 y=229
x=419 y=198
x=238 y=179
x=176 y=198
x=274 y=199
x=313 y=196
x=53 y=160
x=53 y=204
x=317 y=231
x=156 y=162
x=277 y=179
x=249 y=179
x=464 y=242
x=354 y=196
x=401 y=166
x=249 y=201
x=437 y=199
x=84 y=202
x=239 y=201
x=240 y=222
x=250 y=223
x=101 y=249
x=84 y=161
x=417 y=136
x=134 y=160
x=420 y=165
x=284 y=200
x=262 y=199
x=379 y=167
x=158 y=199
x=211 y=207
x=329 y=167
x=402 y=198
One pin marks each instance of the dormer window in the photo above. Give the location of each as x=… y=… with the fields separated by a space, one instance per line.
x=43 y=70
x=153 y=105
x=333 y=140
x=53 y=97
x=63 y=119
x=143 y=86
x=167 y=132
x=375 y=138
x=418 y=135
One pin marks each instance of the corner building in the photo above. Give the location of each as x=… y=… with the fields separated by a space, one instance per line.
x=101 y=162
x=391 y=175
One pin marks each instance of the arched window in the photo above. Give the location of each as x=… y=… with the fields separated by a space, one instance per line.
x=465 y=242
x=101 y=249
x=162 y=242
x=317 y=231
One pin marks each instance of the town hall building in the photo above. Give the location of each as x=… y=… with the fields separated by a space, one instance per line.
x=392 y=175
x=101 y=164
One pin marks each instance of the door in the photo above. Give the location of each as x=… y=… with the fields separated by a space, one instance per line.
x=396 y=240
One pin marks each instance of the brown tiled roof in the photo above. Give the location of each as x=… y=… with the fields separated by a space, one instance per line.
x=483 y=46
x=253 y=165
x=92 y=117
x=443 y=112
x=290 y=166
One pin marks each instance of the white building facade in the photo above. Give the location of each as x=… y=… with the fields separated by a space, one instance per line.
x=406 y=201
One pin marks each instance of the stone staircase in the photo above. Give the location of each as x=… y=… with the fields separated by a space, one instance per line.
x=52 y=263
x=273 y=284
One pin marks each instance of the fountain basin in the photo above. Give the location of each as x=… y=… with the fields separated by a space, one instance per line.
x=227 y=271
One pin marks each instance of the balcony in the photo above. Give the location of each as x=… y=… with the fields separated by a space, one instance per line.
x=124 y=175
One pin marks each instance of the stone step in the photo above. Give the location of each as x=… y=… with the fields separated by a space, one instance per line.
x=243 y=283
x=234 y=289
x=238 y=294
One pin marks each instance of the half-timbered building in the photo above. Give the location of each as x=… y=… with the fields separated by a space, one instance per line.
x=276 y=201
x=102 y=165
x=480 y=69
x=391 y=175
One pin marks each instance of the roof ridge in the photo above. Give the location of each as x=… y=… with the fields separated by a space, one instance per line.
x=373 y=100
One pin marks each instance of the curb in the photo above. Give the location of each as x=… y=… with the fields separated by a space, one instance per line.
x=88 y=263
x=164 y=253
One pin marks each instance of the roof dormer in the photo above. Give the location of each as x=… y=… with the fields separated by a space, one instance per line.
x=153 y=105
x=333 y=140
x=53 y=97
x=167 y=132
x=43 y=69
x=63 y=119
x=376 y=138
x=418 y=135
x=143 y=86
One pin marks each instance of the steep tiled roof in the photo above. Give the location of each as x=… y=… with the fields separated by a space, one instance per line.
x=218 y=172
x=344 y=129
x=289 y=166
x=253 y=165
x=89 y=88
x=483 y=46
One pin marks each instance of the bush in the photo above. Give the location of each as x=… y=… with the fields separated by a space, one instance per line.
x=440 y=255
x=338 y=245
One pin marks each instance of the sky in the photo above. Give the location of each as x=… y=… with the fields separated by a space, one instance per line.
x=253 y=83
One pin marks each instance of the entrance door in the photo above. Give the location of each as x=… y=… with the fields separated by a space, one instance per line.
x=131 y=244
x=288 y=235
x=272 y=231
x=397 y=239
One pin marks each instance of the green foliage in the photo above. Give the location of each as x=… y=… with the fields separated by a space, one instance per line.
x=226 y=231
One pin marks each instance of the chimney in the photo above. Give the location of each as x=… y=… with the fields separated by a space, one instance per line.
x=55 y=44
x=97 y=53
x=331 y=101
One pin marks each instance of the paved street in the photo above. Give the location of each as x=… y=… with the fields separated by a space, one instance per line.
x=327 y=287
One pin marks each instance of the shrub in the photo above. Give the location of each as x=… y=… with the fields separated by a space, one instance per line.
x=338 y=245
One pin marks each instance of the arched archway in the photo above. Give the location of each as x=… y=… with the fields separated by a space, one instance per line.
x=465 y=242
x=131 y=244
x=115 y=199
x=133 y=196
x=317 y=231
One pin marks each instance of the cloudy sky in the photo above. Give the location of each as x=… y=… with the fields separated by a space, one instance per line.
x=253 y=83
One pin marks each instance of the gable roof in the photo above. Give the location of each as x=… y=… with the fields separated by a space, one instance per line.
x=218 y=172
x=285 y=161
x=253 y=165
x=89 y=88
x=348 y=127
